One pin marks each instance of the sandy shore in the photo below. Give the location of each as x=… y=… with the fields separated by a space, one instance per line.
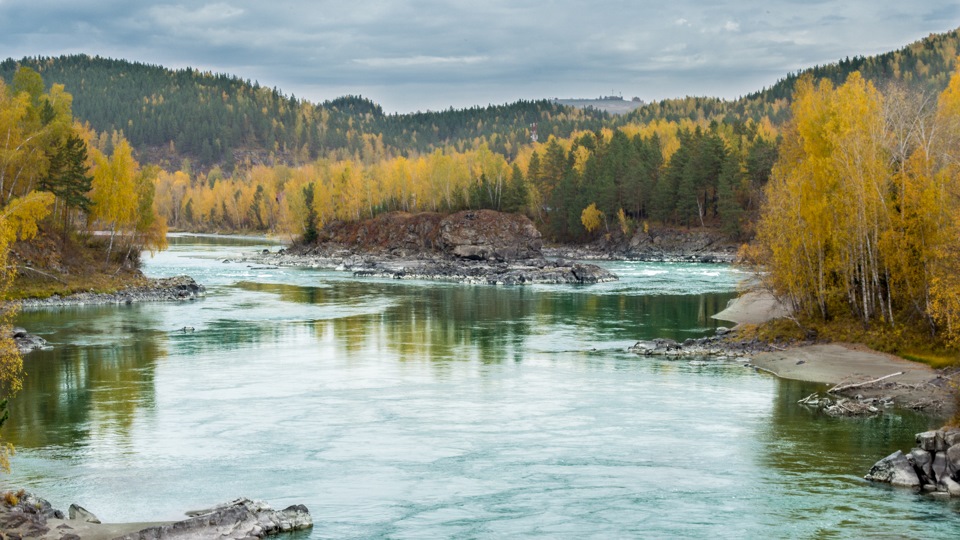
x=754 y=307
x=917 y=386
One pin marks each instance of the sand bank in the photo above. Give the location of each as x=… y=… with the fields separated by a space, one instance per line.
x=916 y=386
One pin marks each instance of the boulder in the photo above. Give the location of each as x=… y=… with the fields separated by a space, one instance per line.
x=950 y=486
x=77 y=512
x=952 y=456
x=940 y=465
x=931 y=441
x=590 y=273
x=27 y=342
x=951 y=437
x=895 y=470
x=922 y=461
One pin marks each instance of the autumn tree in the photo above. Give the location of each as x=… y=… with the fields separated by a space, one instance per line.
x=18 y=221
x=123 y=198
x=591 y=217
x=862 y=206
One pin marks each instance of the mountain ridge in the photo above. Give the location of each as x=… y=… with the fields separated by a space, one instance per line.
x=177 y=117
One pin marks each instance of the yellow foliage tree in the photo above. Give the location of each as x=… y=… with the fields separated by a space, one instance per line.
x=114 y=190
x=862 y=205
x=591 y=217
x=18 y=220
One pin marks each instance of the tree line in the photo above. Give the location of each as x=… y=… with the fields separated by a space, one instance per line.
x=216 y=119
x=673 y=173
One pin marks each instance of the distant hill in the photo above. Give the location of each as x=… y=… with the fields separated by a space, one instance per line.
x=611 y=104
x=216 y=119
x=925 y=64
x=169 y=115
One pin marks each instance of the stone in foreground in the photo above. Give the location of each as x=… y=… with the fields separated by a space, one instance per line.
x=241 y=518
x=895 y=470
x=934 y=466
x=23 y=515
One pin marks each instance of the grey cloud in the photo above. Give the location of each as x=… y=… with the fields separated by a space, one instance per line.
x=431 y=54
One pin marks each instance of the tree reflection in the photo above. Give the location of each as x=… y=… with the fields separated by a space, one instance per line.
x=73 y=394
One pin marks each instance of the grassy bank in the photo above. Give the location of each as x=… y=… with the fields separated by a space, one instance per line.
x=909 y=340
x=57 y=264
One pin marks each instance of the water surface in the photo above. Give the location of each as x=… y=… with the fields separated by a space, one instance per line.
x=429 y=410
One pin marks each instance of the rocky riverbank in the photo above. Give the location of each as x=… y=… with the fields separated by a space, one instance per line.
x=475 y=247
x=932 y=467
x=179 y=288
x=700 y=245
x=24 y=515
x=861 y=381
x=725 y=344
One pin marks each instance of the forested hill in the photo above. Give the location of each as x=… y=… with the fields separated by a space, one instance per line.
x=925 y=64
x=215 y=119
x=168 y=115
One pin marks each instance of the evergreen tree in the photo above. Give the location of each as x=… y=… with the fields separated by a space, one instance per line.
x=731 y=212
x=67 y=176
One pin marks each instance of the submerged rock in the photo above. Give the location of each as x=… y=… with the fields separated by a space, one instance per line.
x=27 y=342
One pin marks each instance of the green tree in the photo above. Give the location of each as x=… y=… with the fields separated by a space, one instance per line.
x=67 y=177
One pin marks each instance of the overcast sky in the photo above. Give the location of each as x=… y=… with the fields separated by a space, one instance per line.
x=429 y=55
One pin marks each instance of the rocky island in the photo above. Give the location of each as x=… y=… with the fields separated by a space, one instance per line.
x=476 y=246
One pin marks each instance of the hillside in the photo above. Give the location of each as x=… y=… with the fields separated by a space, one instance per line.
x=169 y=115
x=216 y=119
x=925 y=64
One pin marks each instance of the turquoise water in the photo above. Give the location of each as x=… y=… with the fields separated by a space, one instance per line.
x=424 y=410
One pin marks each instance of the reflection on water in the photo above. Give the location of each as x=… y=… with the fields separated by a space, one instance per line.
x=412 y=409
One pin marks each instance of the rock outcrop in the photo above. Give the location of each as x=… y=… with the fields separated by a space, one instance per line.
x=484 y=235
x=933 y=466
x=658 y=244
x=25 y=515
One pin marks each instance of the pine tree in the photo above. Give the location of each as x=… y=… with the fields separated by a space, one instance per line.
x=67 y=177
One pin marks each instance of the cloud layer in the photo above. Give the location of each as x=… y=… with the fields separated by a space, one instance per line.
x=429 y=54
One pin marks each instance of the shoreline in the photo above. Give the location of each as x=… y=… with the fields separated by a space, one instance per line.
x=874 y=375
x=172 y=289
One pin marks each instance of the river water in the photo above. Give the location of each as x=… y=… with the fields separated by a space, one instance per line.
x=424 y=410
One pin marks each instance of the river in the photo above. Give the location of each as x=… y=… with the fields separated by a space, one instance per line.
x=428 y=410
